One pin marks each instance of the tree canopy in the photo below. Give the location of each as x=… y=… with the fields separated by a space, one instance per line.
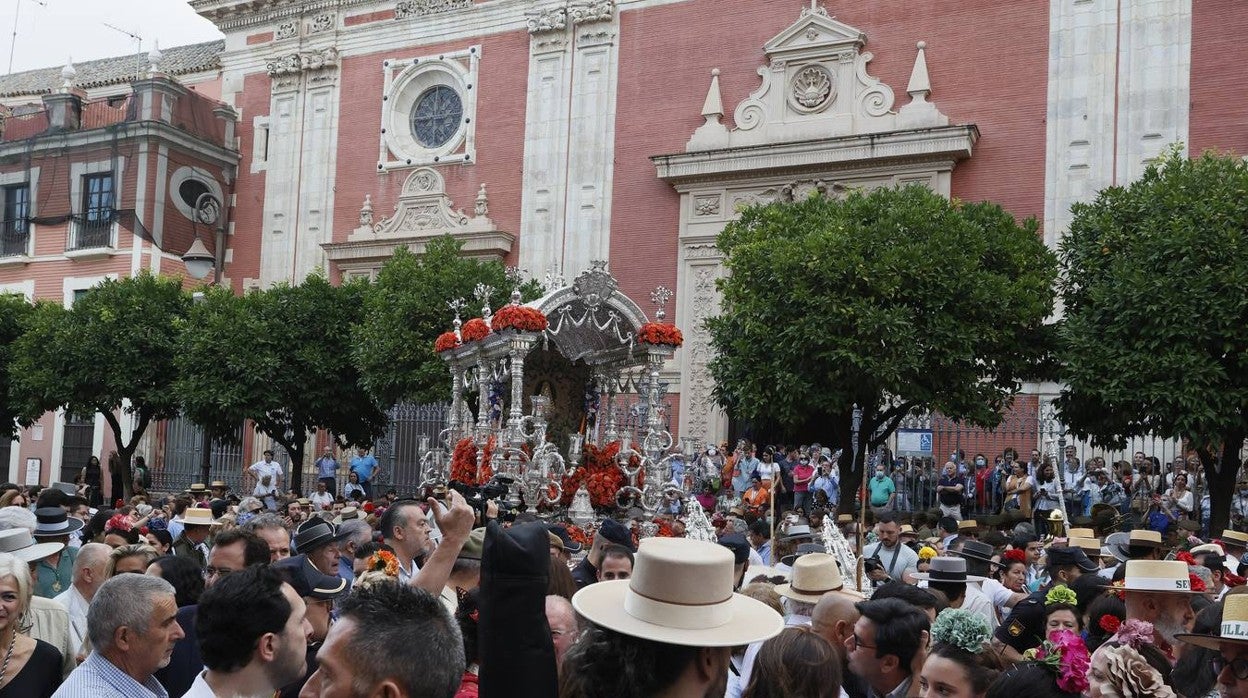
x=15 y=312
x=407 y=309
x=280 y=358
x=113 y=350
x=1155 y=334
x=894 y=299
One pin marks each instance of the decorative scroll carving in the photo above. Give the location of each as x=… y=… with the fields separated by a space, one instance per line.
x=548 y=20
x=290 y=63
x=419 y=8
x=286 y=30
x=321 y=23
x=581 y=11
x=423 y=207
x=697 y=391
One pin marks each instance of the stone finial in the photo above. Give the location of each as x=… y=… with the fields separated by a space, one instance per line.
x=68 y=73
x=154 y=57
x=366 y=212
x=920 y=86
x=712 y=133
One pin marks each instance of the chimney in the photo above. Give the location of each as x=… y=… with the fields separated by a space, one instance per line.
x=156 y=94
x=65 y=104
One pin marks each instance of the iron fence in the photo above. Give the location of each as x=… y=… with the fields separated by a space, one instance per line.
x=184 y=456
x=397 y=452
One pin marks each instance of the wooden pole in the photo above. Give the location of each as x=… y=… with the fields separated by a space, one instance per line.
x=862 y=520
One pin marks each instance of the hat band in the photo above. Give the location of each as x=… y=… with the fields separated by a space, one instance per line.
x=942 y=576
x=681 y=616
x=1235 y=630
x=815 y=592
x=1158 y=584
x=52 y=528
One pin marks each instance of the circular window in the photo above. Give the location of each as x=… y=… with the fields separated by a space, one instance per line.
x=190 y=190
x=436 y=116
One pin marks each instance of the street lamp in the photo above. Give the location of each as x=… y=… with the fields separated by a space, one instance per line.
x=199 y=262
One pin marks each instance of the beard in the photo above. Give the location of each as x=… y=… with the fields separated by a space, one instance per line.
x=1167 y=627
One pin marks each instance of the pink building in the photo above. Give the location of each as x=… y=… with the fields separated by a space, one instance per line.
x=552 y=133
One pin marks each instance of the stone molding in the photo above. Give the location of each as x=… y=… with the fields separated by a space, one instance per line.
x=557 y=17
x=303 y=61
x=423 y=212
x=420 y=8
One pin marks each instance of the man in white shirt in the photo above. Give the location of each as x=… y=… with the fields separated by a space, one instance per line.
x=948 y=576
x=89 y=568
x=321 y=499
x=267 y=476
x=896 y=559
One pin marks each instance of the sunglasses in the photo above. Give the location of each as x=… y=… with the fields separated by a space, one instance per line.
x=1239 y=667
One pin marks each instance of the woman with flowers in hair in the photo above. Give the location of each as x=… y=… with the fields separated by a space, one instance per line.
x=1129 y=665
x=1061 y=610
x=1011 y=572
x=1056 y=669
x=957 y=665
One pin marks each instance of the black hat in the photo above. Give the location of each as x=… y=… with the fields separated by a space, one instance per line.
x=738 y=545
x=1071 y=556
x=314 y=533
x=615 y=532
x=802 y=549
x=53 y=521
x=569 y=545
x=309 y=581
x=975 y=550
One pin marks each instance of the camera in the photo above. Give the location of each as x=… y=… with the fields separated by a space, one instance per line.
x=479 y=497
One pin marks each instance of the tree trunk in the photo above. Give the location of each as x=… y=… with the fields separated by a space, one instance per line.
x=125 y=451
x=1221 y=480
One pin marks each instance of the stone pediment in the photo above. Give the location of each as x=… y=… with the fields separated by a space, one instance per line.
x=422 y=213
x=814 y=33
x=816 y=85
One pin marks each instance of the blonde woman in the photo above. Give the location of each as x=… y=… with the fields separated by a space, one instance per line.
x=129 y=558
x=29 y=668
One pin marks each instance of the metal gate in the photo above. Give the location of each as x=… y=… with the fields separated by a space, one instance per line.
x=78 y=446
x=397 y=452
x=184 y=449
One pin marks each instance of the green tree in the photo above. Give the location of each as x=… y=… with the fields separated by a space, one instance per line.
x=407 y=310
x=1155 y=334
x=897 y=300
x=113 y=351
x=15 y=312
x=276 y=358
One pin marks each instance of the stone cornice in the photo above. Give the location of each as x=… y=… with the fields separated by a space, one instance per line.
x=370 y=254
x=949 y=143
x=75 y=140
x=238 y=14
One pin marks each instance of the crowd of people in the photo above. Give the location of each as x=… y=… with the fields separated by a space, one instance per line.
x=208 y=593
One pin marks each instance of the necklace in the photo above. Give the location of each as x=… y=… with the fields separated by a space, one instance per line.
x=4 y=668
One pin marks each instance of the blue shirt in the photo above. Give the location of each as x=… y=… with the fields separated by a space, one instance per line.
x=99 y=678
x=326 y=467
x=364 y=467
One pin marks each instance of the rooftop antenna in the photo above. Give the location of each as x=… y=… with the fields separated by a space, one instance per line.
x=138 y=48
x=17 y=10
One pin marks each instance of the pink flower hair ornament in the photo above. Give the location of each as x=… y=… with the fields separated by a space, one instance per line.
x=1065 y=655
x=1134 y=633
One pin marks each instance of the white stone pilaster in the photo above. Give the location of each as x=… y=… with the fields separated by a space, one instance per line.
x=545 y=143
x=1155 y=62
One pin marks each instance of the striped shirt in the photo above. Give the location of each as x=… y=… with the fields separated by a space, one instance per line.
x=99 y=678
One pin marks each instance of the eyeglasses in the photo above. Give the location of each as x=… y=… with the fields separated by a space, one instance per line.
x=216 y=572
x=859 y=643
x=1239 y=667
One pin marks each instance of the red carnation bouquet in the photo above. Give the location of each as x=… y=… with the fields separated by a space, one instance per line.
x=464 y=462
x=519 y=317
x=661 y=334
x=474 y=330
x=445 y=342
x=599 y=473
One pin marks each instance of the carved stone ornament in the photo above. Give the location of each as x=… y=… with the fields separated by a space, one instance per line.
x=706 y=205
x=423 y=207
x=548 y=20
x=581 y=11
x=290 y=63
x=812 y=89
x=594 y=285
x=286 y=30
x=419 y=8
x=321 y=23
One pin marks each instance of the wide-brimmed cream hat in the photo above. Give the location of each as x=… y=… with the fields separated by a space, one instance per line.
x=1138 y=538
x=1081 y=533
x=1237 y=537
x=1234 y=625
x=1158 y=577
x=1091 y=546
x=680 y=594
x=19 y=543
x=814 y=574
x=198 y=516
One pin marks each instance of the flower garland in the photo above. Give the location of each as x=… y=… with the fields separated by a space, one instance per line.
x=660 y=334
x=519 y=317
x=962 y=629
x=474 y=330
x=445 y=342
x=464 y=462
x=1065 y=655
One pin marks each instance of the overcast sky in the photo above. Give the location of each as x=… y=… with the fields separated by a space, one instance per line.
x=51 y=31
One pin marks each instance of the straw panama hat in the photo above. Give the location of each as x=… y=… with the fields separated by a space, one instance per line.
x=1091 y=546
x=21 y=544
x=680 y=594
x=814 y=574
x=1158 y=577
x=1082 y=533
x=1237 y=537
x=1234 y=625
x=968 y=525
x=198 y=516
